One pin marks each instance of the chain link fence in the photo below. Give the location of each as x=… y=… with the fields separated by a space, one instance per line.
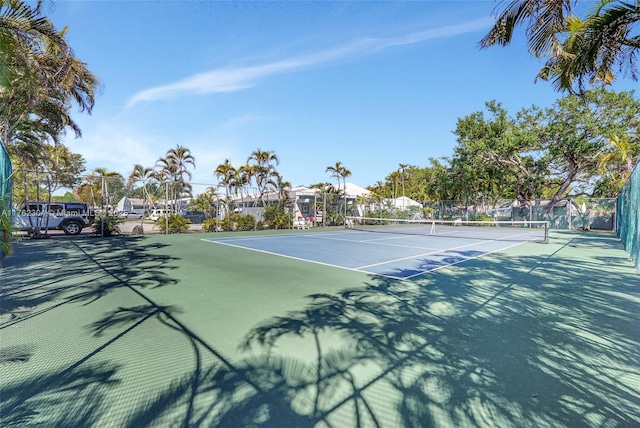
x=5 y=178
x=576 y=213
x=6 y=174
x=628 y=216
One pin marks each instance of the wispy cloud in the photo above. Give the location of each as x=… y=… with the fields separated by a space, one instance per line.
x=231 y=79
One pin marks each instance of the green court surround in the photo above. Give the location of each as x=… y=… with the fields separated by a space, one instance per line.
x=174 y=331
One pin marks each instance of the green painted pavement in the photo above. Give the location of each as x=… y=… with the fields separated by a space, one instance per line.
x=175 y=331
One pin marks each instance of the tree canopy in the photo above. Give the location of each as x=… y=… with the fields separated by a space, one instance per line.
x=581 y=145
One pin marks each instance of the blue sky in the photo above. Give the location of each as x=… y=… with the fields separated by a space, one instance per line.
x=370 y=84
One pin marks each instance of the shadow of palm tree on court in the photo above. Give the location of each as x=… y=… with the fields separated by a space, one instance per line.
x=43 y=277
x=528 y=342
x=66 y=277
x=514 y=341
x=70 y=398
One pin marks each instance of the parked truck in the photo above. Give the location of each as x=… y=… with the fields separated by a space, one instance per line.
x=70 y=217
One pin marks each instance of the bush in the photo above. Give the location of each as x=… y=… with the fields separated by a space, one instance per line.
x=236 y=222
x=276 y=218
x=245 y=222
x=177 y=224
x=106 y=225
x=483 y=217
x=212 y=225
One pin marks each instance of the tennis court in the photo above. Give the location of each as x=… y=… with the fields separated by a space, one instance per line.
x=398 y=251
x=175 y=330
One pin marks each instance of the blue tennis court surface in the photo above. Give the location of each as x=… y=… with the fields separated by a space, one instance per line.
x=389 y=255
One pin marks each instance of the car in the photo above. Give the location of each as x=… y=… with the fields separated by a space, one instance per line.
x=70 y=217
x=129 y=214
x=195 y=217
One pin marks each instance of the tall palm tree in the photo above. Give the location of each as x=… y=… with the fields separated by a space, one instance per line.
x=264 y=170
x=225 y=172
x=103 y=176
x=243 y=176
x=141 y=174
x=284 y=188
x=339 y=171
x=174 y=168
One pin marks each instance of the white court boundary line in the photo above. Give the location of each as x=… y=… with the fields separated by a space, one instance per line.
x=360 y=268
x=297 y=258
x=329 y=236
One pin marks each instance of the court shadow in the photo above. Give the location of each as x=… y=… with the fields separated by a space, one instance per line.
x=16 y=354
x=44 y=275
x=65 y=274
x=529 y=342
x=69 y=398
x=518 y=341
x=522 y=343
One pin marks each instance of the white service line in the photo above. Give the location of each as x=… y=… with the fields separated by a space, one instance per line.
x=424 y=254
x=464 y=260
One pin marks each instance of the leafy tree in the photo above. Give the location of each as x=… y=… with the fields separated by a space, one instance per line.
x=575 y=132
x=44 y=169
x=496 y=157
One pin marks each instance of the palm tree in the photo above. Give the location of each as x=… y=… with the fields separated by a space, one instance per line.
x=39 y=77
x=225 y=172
x=402 y=169
x=174 y=168
x=579 y=51
x=104 y=176
x=340 y=172
x=205 y=202
x=544 y=20
x=618 y=163
x=263 y=170
x=283 y=187
x=141 y=174
x=242 y=179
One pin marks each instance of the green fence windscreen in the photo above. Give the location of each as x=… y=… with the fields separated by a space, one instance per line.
x=628 y=216
x=5 y=178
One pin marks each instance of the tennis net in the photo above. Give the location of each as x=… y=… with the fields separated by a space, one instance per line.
x=484 y=230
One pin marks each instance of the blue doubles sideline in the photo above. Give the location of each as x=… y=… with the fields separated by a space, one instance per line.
x=388 y=255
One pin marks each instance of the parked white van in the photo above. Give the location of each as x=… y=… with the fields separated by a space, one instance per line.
x=158 y=214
